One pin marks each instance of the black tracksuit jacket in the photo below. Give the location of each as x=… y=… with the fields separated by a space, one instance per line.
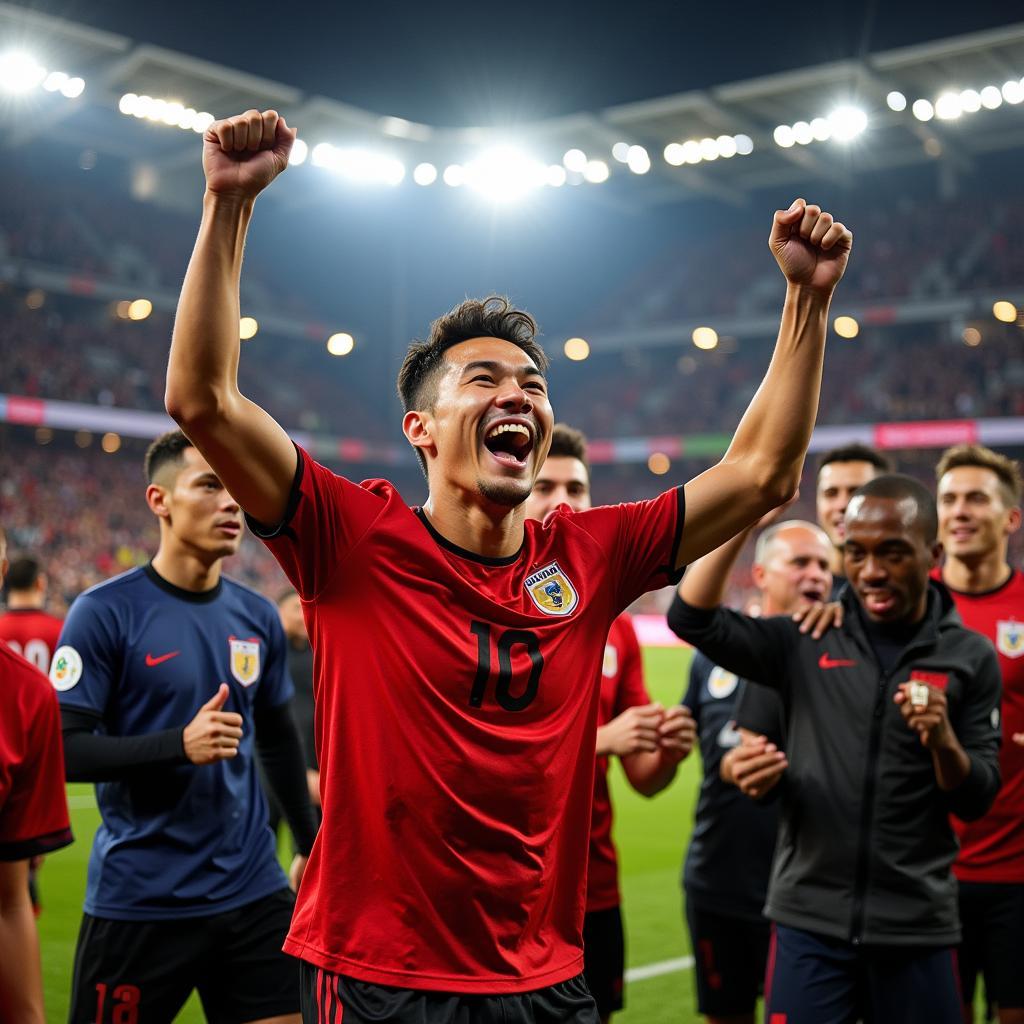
x=865 y=846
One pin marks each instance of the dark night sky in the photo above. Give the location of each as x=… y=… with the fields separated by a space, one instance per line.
x=461 y=62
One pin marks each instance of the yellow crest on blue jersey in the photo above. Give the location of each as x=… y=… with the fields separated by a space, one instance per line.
x=245 y=660
x=1010 y=638
x=551 y=590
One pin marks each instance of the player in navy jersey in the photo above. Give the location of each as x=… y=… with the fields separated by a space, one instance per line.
x=457 y=646
x=170 y=678
x=726 y=872
x=649 y=739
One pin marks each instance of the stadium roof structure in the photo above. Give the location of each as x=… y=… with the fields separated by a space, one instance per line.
x=961 y=120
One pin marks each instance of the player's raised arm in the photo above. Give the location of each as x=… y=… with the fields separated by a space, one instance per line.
x=247 y=448
x=762 y=467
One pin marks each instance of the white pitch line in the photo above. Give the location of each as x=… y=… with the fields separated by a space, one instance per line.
x=681 y=963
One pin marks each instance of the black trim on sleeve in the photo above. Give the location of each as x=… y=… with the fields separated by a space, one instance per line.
x=23 y=849
x=93 y=757
x=192 y=596
x=462 y=552
x=264 y=532
x=675 y=575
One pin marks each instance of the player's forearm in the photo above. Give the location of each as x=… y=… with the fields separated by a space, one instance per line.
x=203 y=370
x=649 y=773
x=21 y=985
x=705 y=581
x=93 y=757
x=952 y=766
x=772 y=437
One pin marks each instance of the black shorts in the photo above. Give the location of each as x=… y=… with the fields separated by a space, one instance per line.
x=233 y=959
x=333 y=998
x=992 y=917
x=729 y=961
x=604 y=958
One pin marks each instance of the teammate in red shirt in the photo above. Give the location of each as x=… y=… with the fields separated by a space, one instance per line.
x=649 y=740
x=979 y=499
x=33 y=821
x=454 y=645
x=26 y=625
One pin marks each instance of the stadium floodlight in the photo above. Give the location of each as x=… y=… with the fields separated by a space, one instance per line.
x=139 y=309
x=142 y=106
x=110 y=442
x=802 y=133
x=324 y=155
x=896 y=101
x=55 y=81
x=73 y=88
x=454 y=175
x=187 y=121
x=948 y=107
x=576 y=349
x=846 y=327
x=556 y=175
x=705 y=338
x=971 y=337
x=202 y=122
x=923 y=110
x=708 y=149
x=620 y=152
x=691 y=152
x=504 y=173
x=20 y=72
x=424 y=174
x=1005 y=312
x=674 y=154
x=726 y=146
x=575 y=160
x=744 y=144
x=596 y=171
x=970 y=101
x=991 y=97
x=127 y=104
x=638 y=160
x=659 y=463
x=340 y=344
x=783 y=136
x=173 y=113
x=847 y=123
x=247 y=327
x=821 y=129
x=367 y=168
x=1013 y=91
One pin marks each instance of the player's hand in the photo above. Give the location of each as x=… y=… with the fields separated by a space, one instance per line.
x=677 y=733
x=632 y=732
x=754 y=767
x=213 y=734
x=296 y=871
x=819 y=617
x=242 y=155
x=810 y=247
x=1018 y=738
x=929 y=718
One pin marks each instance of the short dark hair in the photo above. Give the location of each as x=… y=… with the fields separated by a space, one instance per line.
x=899 y=487
x=165 y=449
x=855 y=452
x=23 y=573
x=569 y=443
x=978 y=455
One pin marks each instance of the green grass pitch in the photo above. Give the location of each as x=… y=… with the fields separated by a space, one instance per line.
x=651 y=836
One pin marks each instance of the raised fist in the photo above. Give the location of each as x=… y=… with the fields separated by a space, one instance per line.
x=242 y=155
x=810 y=247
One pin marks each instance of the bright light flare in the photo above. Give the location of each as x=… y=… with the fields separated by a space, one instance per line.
x=575 y=160
x=638 y=160
x=298 y=155
x=1004 y=311
x=139 y=309
x=896 y=101
x=923 y=110
x=847 y=123
x=948 y=106
x=596 y=171
x=247 y=327
x=504 y=173
x=576 y=349
x=659 y=463
x=783 y=136
x=846 y=327
x=705 y=338
x=20 y=72
x=424 y=174
x=991 y=97
x=340 y=344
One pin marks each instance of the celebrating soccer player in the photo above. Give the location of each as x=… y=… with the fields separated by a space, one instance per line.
x=648 y=739
x=457 y=646
x=891 y=723
x=170 y=677
x=979 y=497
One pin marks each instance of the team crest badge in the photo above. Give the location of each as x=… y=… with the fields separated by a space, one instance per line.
x=722 y=684
x=551 y=590
x=245 y=660
x=1010 y=639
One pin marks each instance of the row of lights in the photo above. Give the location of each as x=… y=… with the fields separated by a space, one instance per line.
x=842 y=125
x=109 y=442
x=695 y=151
x=169 y=112
x=951 y=104
x=21 y=73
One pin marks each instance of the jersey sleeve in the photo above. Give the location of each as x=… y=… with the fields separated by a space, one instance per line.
x=760 y=710
x=87 y=663
x=34 y=818
x=631 y=692
x=326 y=516
x=276 y=687
x=639 y=540
x=699 y=667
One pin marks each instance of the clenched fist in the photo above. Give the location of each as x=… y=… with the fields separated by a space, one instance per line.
x=811 y=248
x=213 y=734
x=242 y=155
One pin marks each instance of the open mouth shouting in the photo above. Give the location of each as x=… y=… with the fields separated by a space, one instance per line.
x=510 y=442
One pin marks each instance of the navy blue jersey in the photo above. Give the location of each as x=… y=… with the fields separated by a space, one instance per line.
x=184 y=840
x=730 y=854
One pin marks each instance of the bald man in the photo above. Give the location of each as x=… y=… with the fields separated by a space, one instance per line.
x=725 y=877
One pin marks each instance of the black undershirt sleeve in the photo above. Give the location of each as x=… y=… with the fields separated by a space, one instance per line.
x=280 y=750
x=90 y=756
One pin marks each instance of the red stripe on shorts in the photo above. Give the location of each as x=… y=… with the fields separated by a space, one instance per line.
x=769 y=973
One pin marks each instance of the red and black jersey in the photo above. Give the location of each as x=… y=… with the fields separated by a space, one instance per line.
x=33 y=807
x=622 y=687
x=32 y=633
x=992 y=848
x=456 y=714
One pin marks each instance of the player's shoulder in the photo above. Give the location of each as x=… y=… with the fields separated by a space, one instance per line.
x=116 y=587
x=20 y=680
x=257 y=603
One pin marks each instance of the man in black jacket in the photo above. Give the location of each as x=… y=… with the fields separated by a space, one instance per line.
x=892 y=723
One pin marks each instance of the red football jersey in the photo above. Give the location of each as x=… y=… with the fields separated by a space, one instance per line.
x=33 y=807
x=622 y=687
x=456 y=713
x=32 y=634
x=992 y=848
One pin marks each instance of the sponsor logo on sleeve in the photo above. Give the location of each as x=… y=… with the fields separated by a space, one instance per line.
x=551 y=590
x=245 y=660
x=66 y=668
x=1010 y=639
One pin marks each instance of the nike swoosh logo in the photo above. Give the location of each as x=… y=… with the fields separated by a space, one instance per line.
x=826 y=662
x=151 y=661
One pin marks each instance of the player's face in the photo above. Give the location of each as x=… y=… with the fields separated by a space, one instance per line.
x=290 y=610
x=200 y=512
x=562 y=481
x=490 y=427
x=974 y=517
x=886 y=558
x=836 y=483
x=796 y=572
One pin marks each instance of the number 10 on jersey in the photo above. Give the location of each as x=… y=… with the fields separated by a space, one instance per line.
x=507 y=641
